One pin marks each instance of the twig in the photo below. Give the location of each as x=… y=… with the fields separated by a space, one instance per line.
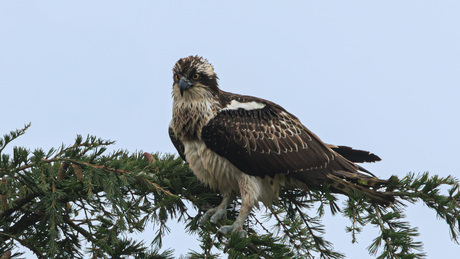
x=108 y=169
x=382 y=228
x=287 y=232
x=23 y=243
x=310 y=230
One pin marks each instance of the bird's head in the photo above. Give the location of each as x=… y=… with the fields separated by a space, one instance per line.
x=193 y=75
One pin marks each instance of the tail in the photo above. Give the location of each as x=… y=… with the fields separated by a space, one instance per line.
x=345 y=177
x=346 y=183
x=355 y=155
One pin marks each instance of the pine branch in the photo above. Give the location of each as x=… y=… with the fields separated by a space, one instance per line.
x=287 y=232
x=80 y=192
x=427 y=189
x=7 y=138
x=24 y=243
x=40 y=188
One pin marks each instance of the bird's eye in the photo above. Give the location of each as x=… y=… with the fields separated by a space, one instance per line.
x=176 y=77
x=196 y=76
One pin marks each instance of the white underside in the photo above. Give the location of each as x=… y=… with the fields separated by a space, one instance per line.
x=221 y=175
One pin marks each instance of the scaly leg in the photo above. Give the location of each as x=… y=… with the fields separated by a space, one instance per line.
x=248 y=201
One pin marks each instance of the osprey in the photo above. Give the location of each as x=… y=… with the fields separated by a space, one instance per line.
x=250 y=147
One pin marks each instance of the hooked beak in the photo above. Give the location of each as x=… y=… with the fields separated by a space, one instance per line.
x=184 y=84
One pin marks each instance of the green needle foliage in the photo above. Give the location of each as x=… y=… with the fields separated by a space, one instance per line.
x=80 y=200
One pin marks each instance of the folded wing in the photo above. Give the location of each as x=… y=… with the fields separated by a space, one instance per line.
x=269 y=141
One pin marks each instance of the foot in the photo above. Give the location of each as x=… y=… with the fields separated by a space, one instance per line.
x=220 y=214
x=233 y=228
x=215 y=214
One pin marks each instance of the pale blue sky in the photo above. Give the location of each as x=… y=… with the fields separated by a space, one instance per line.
x=381 y=76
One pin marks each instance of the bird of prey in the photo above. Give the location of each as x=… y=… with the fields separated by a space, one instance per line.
x=249 y=147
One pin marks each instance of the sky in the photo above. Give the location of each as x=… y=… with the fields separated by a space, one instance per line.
x=382 y=76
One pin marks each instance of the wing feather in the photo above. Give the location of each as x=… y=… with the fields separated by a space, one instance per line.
x=356 y=155
x=177 y=143
x=269 y=141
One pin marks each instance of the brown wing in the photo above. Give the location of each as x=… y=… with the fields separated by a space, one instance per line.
x=356 y=155
x=177 y=143
x=270 y=141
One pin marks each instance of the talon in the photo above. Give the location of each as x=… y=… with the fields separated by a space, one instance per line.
x=220 y=214
x=243 y=233
x=215 y=214
x=206 y=216
x=226 y=229
x=233 y=228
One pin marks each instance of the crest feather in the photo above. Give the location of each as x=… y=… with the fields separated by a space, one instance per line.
x=201 y=65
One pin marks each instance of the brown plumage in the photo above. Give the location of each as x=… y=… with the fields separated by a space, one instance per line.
x=235 y=143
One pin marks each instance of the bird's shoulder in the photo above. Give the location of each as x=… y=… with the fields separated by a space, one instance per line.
x=260 y=137
x=247 y=105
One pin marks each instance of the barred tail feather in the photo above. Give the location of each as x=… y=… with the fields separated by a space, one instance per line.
x=346 y=183
x=362 y=184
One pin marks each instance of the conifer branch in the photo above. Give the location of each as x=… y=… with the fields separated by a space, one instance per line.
x=80 y=192
x=24 y=243
x=7 y=138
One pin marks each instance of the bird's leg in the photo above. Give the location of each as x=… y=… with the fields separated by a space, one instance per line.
x=238 y=224
x=219 y=212
x=248 y=201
